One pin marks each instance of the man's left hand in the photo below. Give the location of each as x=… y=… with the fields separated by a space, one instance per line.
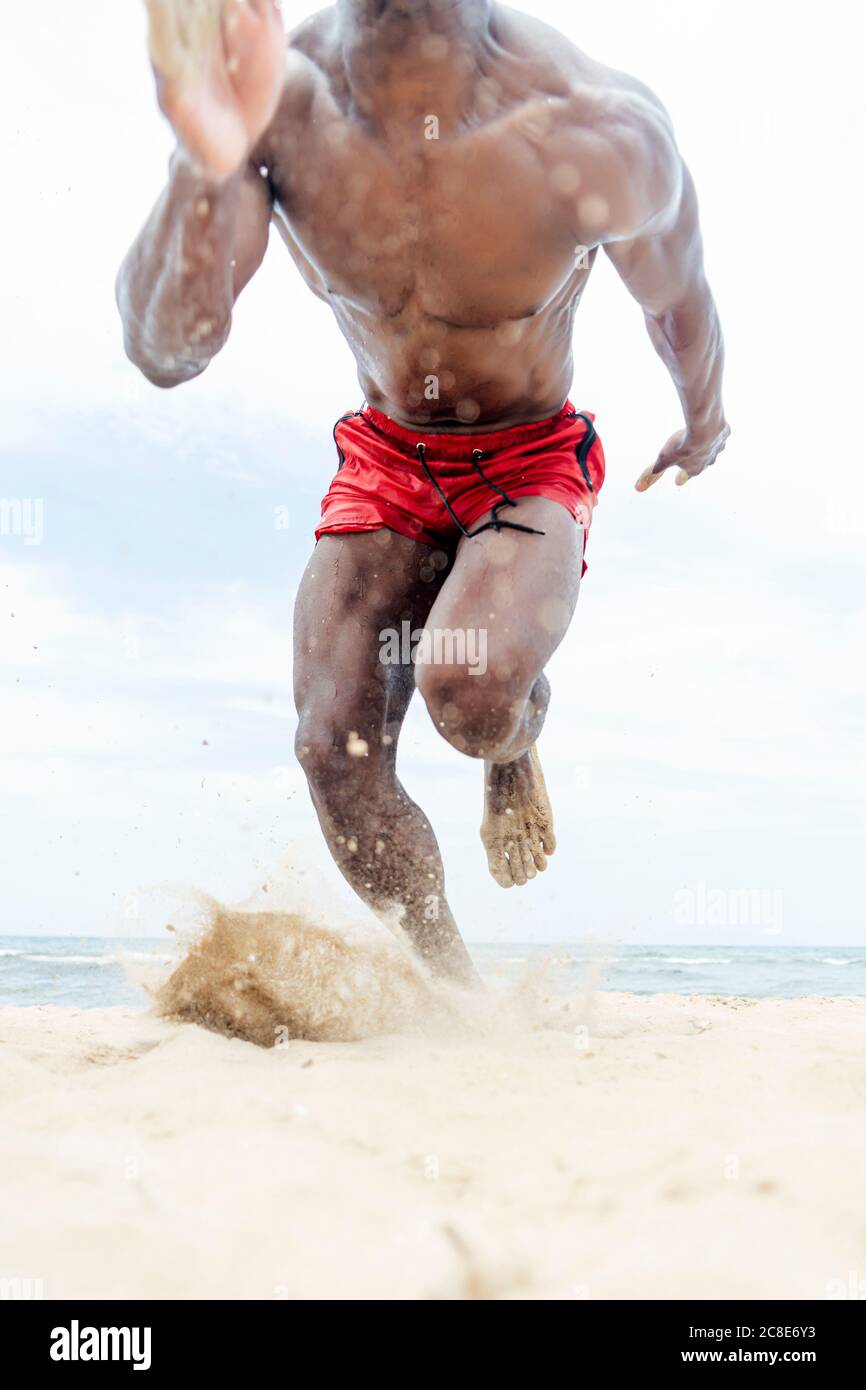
x=685 y=451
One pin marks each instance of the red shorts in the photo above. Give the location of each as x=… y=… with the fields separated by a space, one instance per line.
x=436 y=487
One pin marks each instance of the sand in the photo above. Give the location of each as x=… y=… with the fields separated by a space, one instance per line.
x=526 y=1147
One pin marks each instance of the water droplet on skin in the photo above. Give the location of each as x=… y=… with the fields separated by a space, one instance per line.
x=565 y=178
x=553 y=614
x=468 y=410
x=535 y=122
x=429 y=359
x=593 y=210
x=508 y=334
x=540 y=390
x=202 y=207
x=434 y=48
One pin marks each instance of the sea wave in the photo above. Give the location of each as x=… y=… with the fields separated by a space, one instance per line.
x=72 y=960
x=57 y=958
x=696 y=960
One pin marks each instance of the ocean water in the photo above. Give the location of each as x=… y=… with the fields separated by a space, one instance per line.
x=89 y=972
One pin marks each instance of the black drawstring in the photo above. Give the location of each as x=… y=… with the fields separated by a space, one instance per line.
x=350 y=415
x=421 y=450
x=477 y=456
x=581 y=452
x=496 y=524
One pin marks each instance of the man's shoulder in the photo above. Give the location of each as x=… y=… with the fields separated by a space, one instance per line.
x=611 y=128
x=311 y=64
x=314 y=43
x=599 y=96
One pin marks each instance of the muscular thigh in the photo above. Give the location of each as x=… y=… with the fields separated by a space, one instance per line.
x=356 y=587
x=518 y=589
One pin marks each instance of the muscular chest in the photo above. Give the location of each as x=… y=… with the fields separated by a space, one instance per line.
x=465 y=229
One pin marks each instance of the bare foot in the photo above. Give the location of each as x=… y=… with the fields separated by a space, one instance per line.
x=517 y=830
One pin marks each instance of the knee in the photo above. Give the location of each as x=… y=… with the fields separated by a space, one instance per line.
x=338 y=759
x=316 y=749
x=476 y=714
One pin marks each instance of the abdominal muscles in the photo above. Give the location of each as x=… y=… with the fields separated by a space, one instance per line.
x=425 y=372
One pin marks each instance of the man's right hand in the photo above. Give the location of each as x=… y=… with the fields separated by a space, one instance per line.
x=222 y=96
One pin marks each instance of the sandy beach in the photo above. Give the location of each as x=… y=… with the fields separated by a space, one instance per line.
x=599 y=1147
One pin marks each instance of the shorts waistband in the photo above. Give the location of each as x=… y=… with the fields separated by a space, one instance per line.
x=445 y=444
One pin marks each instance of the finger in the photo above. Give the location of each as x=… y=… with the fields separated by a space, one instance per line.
x=515 y=862
x=163 y=40
x=682 y=478
x=650 y=476
x=181 y=39
x=238 y=17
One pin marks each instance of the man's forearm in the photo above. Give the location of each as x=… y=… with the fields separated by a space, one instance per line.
x=688 y=338
x=175 y=288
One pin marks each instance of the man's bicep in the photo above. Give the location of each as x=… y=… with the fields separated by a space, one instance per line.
x=255 y=205
x=661 y=267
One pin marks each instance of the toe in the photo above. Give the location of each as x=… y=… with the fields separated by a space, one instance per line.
x=538 y=856
x=498 y=866
x=548 y=839
x=515 y=859
x=528 y=860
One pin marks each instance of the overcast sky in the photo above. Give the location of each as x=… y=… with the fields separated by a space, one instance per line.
x=707 y=717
